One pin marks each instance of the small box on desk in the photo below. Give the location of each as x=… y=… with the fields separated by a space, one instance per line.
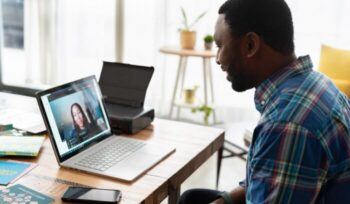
x=124 y=88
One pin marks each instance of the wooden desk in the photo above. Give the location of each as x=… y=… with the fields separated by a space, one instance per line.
x=194 y=145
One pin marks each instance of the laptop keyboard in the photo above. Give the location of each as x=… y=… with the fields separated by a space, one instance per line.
x=110 y=154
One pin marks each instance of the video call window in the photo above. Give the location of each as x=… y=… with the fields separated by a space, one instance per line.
x=78 y=115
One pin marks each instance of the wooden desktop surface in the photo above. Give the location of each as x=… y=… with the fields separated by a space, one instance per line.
x=194 y=145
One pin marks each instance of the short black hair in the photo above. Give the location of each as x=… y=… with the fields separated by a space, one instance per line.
x=270 y=19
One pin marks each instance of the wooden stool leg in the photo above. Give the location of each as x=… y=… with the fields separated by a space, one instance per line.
x=182 y=78
x=210 y=77
x=205 y=81
x=179 y=69
x=184 y=65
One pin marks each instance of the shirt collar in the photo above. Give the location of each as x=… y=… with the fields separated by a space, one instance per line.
x=265 y=90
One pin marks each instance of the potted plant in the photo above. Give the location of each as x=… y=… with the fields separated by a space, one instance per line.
x=208 y=42
x=187 y=35
x=190 y=95
x=207 y=110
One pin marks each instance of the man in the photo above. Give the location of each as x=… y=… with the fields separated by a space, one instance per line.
x=300 y=152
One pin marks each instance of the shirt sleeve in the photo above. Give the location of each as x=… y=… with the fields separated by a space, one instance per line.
x=287 y=164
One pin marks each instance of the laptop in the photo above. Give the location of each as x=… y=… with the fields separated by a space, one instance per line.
x=81 y=136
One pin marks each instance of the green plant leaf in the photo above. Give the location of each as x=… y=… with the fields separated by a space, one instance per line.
x=208 y=38
x=207 y=110
x=185 y=20
x=196 y=20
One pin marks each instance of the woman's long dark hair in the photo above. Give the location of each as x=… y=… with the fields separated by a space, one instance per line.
x=85 y=121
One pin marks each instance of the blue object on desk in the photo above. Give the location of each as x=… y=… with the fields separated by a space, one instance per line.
x=22 y=194
x=10 y=170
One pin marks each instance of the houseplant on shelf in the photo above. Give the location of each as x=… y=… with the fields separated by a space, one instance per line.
x=187 y=34
x=190 y=95
x=207 y=110
x=208 y=41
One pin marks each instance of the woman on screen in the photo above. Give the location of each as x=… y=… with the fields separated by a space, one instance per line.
x=82 y=127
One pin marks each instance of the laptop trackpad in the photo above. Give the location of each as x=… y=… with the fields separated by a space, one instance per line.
x=142 y=160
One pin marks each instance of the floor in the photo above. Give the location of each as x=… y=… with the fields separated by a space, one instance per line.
x=232 y=171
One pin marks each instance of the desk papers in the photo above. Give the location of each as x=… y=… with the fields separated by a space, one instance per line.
x=20 y=145
x=21 y=194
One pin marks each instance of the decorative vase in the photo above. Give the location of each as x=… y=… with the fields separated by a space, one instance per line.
x=187 y=39
x=208 y=45
x=190 y=95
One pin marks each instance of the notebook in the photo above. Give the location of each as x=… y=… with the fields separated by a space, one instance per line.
x=11 y=170
x=20 y=145
x=81 y=135
x=21 y=194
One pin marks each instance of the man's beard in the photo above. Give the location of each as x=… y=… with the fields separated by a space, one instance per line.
x=237 y=72
x=239 y=81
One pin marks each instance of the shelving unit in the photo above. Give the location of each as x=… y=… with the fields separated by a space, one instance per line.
x=176 y=101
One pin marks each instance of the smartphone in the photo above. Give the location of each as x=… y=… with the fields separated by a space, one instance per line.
x=91 y=195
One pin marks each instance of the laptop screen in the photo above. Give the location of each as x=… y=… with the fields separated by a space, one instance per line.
x=75 y=114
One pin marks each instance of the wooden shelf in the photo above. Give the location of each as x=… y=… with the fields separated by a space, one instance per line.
x=182 y=52
x=183 y=104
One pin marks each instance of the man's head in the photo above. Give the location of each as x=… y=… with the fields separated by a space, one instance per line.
x=253 y=37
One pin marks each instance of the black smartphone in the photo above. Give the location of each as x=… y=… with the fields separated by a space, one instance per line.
x=91 y=195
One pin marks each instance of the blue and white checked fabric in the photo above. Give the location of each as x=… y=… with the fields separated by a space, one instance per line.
x=300 y=152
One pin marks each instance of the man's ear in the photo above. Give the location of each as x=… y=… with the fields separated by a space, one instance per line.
x=253 y=43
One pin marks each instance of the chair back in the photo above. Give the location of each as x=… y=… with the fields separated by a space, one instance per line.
x=335 y=63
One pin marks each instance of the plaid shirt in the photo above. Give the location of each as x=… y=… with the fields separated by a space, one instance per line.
x=300 y=152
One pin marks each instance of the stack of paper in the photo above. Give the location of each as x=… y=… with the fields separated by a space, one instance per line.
x=22 y=119
x=20 y=145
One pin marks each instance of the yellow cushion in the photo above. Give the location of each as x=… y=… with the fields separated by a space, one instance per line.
x=335 y=63
x=343 y=85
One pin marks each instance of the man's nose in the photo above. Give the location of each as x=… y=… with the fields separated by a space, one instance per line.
x=217 y=60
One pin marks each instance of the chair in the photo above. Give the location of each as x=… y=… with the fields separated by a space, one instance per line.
x=335 y=63
x=235 y=144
